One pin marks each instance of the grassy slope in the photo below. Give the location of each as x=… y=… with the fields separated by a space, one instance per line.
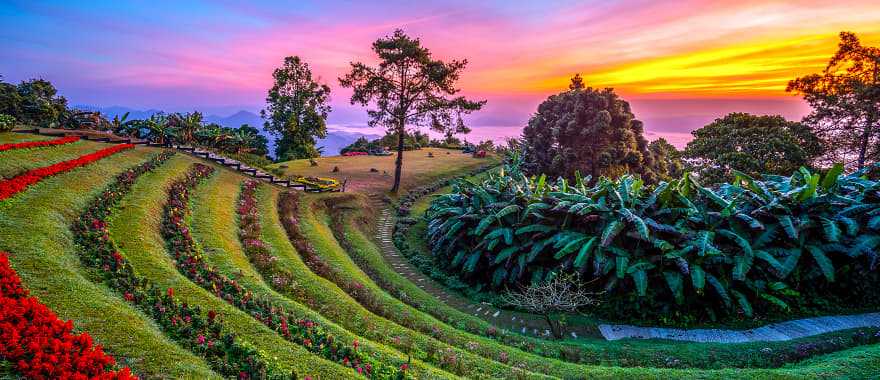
x=10 y=137
x=34 y=227
x=17 y=161
x=137 y=231
x=418 y=168
x=215 y=228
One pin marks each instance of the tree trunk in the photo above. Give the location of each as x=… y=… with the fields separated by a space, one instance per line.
x=399 y=163
x=553 y=329
x=866 y=136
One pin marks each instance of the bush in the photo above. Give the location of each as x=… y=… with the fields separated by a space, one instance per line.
x=6 y=123
x=679 y=251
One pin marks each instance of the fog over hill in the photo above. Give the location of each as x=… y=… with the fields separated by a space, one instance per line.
x=336 y=138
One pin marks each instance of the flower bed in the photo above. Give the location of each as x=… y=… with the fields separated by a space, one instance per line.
x=191 y=264
x=14 y=185
x=39 y=144
x=318 y=183
x=348 y=154
x=202 y=334
x=257 y=251
x=40 y=345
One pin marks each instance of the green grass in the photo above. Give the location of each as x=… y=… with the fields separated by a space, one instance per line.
x=418 y=168
x=136 y=229
x=17 y=161
x=214 y=227
x=35 y=230
x=14 y=137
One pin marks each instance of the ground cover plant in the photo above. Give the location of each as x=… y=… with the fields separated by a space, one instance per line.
x=687 y=252
x=38 y=144
x=10 y=187
x=40 y=345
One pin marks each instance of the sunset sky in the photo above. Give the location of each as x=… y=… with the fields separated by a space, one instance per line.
x=680 y=64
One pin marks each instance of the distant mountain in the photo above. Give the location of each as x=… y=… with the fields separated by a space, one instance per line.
x=336 y=140
x=237 y=119
x=333 y=143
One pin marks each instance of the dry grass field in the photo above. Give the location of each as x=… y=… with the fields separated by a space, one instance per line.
x=418 y=168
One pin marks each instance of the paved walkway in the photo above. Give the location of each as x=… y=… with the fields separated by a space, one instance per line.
x=523 y=323
x=799 y=328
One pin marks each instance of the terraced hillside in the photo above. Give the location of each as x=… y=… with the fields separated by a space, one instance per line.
x=181 y=268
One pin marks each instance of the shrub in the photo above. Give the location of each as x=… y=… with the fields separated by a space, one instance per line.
x=676 y=250
x=6 y=122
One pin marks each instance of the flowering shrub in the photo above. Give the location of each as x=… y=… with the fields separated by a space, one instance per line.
x=256 y=250
x=201 y=334
x=16 y=184
x=348 y=154
x=39 y=344
x=7 y=122
x=38 y=144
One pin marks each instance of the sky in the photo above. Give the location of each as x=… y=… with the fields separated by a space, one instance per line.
x=680 y=64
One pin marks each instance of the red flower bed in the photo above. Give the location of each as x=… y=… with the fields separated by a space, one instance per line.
x=14 y=185
x=347 y=154
x=41 y=346
x=39 y=144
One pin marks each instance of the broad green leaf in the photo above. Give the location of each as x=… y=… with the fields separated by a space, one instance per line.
x=584 y=253
x=484 y=224
x=767 y=257
x=620 y=263
x=640 y=225
x=832 y=232
x=739 y=240
x=534 y=228
x=788 y=226
x=640 y=277
x=743 y=303
x=507 y=211
x=471 y=262
x=698 y=277
x=719 y=288
x=505 y=253
x=832 y=175
x=823 y=261
x=610 y=231
x=674 y=281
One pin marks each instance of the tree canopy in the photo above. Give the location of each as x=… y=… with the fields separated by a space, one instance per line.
x=33 y=102
x=846 y=102
x=296 y=110
x=409 y=88
x=589 y=131
x=751 y=144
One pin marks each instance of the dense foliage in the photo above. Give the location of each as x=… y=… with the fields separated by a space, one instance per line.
x=41 y=345
x=296 y=110
x=751 y=144
x=845 y=99
x=589 y=131
x=678 y=249
x=33 y=102
x=14 y=185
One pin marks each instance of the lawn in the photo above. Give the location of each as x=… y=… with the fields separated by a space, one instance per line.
x=418 y=168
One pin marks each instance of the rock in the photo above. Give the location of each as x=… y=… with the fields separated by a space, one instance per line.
x=374 y=170
x=336 y=169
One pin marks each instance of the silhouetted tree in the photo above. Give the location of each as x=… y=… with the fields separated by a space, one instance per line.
x=296 y=110
x=846 y=102
x=751 y=144
x=586 y=130
x=408 y=88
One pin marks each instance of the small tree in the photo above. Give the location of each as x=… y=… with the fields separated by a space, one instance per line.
x=563 y=293
x=296 y=110
x=846 y=102
x=409 y=87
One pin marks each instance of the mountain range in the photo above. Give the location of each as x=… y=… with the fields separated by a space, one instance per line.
x=333 y=143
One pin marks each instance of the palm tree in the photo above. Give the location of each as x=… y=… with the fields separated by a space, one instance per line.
x=242 y=141
x=211 y=135
x=160 y=129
